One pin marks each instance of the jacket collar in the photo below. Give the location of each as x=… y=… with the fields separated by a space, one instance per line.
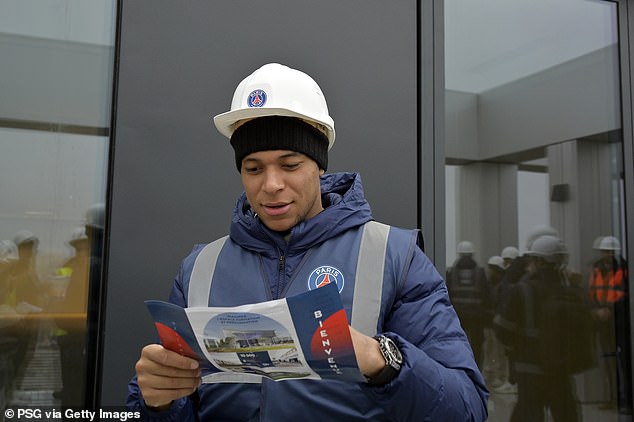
x=345 y=207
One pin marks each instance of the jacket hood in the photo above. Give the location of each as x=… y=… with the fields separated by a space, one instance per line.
x=344 y=204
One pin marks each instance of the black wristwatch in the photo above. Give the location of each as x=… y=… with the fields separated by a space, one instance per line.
x=393 y=361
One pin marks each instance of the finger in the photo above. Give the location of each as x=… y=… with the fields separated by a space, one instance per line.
x=145 y=366
x=160 y=382
x=165 y=357
x=159 y=391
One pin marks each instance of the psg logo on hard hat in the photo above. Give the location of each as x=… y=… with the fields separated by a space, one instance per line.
x=323 y=275
x=256 y=98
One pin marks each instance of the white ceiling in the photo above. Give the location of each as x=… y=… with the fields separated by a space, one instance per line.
x=492 y=42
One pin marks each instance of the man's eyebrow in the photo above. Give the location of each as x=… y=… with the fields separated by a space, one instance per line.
x=290 y=154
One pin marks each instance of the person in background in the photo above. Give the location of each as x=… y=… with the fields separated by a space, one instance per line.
x=293 y=220
x=608 y=288
x=26 y=295
x=71 y=309
x=469 y=292
x=11 y=323
x=548 y=324
x=26 y=282
x=495 y=363
x=516 y=267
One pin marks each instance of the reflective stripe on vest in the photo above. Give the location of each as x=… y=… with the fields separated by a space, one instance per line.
x=204 y=268
x=368 y=287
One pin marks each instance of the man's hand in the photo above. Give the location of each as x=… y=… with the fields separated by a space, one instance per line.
x=369 y=356
x=602 y=314
x=164 y=376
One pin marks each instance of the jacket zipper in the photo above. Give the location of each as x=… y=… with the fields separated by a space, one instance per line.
x=280 y=274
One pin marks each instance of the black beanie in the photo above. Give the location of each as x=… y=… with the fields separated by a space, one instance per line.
x=280 y=132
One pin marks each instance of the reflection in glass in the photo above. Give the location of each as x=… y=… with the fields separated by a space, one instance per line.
x=534 y=170
x=56 y=89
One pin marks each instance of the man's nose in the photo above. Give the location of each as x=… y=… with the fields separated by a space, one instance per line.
x=273 y=180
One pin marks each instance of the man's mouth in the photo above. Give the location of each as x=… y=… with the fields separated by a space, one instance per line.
x=276 y=209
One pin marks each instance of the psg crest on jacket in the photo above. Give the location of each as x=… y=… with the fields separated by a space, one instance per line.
x=324 y=275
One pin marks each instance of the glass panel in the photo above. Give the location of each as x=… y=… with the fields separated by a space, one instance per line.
x=535 y=206
x=56 y=84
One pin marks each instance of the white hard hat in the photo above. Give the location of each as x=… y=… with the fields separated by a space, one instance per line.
x=510 y=252
x=551 y=248
x=24 y=236
x=8 y=251
x=465 y=247
x=496 y=261
x=277 y=90
x=78 y=235
x=537 y=231
x=609 y=243
x=95 y=215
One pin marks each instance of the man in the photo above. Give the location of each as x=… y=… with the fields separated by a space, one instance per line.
x=494 y=367
x=291 y=221
x=608 y=288
x=549 y=323
x=84 y=268
x=469 y=292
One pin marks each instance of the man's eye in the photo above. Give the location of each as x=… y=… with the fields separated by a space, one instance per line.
x=251 y=170
x=291 y=166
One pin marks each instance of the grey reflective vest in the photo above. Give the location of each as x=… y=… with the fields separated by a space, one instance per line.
x=225 y=274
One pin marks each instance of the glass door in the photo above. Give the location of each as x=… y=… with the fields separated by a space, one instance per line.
x=535 y=202
x=55 y=110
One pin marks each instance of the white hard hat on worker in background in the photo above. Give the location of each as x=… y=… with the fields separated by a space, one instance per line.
x=550 y=248
x=8 y=251
x=496 y=261
x=25 y=236
x=609 y=243
x=277 y=90
x=78 y=235
x=537 y=231
x=510 y=252
x=465 y=247
x=96 y=215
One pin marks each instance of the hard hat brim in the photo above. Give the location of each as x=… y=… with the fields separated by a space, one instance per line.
x=226 y=123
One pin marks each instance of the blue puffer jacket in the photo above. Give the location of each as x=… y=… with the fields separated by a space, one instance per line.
x=439 y=380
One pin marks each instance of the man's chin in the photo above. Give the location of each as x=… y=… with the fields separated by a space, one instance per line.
x=282 y=225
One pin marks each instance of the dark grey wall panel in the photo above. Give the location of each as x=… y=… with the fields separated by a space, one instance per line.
x=175 y=183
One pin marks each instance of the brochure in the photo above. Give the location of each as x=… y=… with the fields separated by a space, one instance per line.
x=300 y=337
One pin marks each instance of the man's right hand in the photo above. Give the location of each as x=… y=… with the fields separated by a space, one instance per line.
x=164 y=376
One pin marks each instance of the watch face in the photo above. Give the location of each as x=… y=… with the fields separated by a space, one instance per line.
x=396 y=354
x=394 y=351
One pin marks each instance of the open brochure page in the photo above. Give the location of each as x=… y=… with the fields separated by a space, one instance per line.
x=300 y=337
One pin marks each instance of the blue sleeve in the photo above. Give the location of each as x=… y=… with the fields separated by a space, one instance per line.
x=180 y=411
x=184 y=408
x=439 y=377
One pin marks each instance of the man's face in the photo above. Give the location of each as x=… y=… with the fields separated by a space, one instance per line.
x=282 y=187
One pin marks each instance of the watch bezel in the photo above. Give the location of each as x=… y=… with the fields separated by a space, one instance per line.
x=390 y=352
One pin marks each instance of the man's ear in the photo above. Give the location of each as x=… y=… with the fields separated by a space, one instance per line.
x=321 y=172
